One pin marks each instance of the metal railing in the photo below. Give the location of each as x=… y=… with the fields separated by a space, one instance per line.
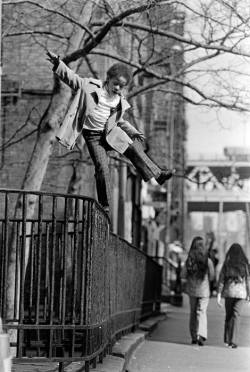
x=171 y=280
x=68 y=287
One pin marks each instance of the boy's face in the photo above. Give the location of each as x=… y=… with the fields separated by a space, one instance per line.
x=115 y=85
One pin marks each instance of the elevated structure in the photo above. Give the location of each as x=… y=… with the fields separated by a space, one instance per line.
x=215 y=183
x=217 y=186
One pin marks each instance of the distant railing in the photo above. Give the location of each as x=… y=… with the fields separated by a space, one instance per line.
x=171 y=280
x=68 y=287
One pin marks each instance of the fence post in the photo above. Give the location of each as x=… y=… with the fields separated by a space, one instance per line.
x=5 y=357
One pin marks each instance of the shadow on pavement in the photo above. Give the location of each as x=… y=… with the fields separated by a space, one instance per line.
x=175 y=329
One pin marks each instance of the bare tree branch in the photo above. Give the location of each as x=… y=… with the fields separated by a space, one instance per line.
x=54 y=11
x=182 y=39
x=10 y=141
x=33 y=32
x=163 y=79
x=100 y=35
x=9 y=144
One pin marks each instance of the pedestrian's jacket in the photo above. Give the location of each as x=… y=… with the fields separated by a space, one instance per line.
x=233 y=287
x=196 y=287
x=87 y=92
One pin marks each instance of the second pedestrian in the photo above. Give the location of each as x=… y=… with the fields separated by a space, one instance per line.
x=233 y=285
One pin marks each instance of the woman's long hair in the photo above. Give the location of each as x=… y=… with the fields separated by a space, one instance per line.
x=197 y=260
x=236 y=263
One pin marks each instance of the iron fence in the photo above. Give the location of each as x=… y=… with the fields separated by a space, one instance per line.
x=68 y=287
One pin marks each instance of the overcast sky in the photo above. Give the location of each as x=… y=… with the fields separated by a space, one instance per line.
x=209 y=132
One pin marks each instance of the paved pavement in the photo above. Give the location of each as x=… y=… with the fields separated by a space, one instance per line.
x=168 y=348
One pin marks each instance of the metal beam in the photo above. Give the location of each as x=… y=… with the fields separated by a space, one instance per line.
x=214 y=206
x=217 y=163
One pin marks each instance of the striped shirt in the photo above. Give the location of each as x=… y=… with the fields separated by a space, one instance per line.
x=98 y=118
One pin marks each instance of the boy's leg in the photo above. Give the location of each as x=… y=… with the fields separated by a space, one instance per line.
x=99 y=156
x=145 y=166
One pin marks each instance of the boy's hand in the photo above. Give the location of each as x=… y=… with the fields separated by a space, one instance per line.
x=219 y=299
x=53 y=58
x=139 y=136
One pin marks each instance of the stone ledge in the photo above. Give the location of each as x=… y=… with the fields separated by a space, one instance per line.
x=126 y=345
x=116 y=362
x=110 y=364
x=149 y=324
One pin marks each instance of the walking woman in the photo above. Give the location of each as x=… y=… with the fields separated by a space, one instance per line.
x=198 y=272
x=233 y=285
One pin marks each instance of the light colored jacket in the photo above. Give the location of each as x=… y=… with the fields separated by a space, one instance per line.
x=229 y=287
x=196 y=287
x=87 y=94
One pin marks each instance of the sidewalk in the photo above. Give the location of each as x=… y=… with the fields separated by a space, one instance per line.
x=168 y=348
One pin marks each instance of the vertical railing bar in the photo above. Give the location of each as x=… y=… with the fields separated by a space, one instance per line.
x=76 y=247
x=94 y=361
x=64 y=246
x=86 y=366
x=16 y=295
x=60 y=264
x=32 y=263
x=108 y=282
x=83 y=246
x=87 y=289
x=39 y=267
x=98 y=236
x=22 y=274
x=35 y=270
x=2 y=251
x=6 y=240
x=46 y=300
x=74 y=273
x=53 y=255
x=39 y=258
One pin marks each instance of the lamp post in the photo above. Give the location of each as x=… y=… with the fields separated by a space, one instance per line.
x=170 y=166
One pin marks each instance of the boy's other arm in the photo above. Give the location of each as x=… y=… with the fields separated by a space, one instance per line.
x=53 y=58
x=131 y=130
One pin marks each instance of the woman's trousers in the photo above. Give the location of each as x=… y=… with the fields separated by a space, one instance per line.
x=198 y=317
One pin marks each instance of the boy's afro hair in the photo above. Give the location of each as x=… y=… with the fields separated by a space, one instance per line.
x=119 y=69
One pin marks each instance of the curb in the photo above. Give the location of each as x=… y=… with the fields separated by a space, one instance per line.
x=122 y=350
x=126 y=345
x=150 y=324
x=119 y=357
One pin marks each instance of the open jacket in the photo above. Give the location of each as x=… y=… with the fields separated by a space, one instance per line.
x=87 y=93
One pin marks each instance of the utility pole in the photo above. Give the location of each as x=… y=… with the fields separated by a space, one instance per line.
x=169 y=161
x=171 y=105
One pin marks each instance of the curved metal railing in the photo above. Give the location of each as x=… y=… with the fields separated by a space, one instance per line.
x=68 y=287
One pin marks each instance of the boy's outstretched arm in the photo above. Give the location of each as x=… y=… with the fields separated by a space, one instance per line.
x=53 y=58
x=68 y=76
